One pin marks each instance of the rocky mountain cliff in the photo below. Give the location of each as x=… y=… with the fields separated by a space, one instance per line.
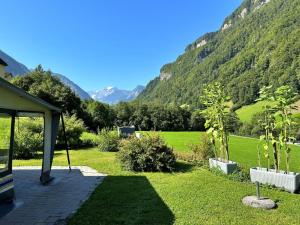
x=258 y=44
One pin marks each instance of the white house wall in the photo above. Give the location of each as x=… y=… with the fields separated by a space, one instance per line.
x=11 y=100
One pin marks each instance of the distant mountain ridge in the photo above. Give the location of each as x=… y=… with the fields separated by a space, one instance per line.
x=13 y=67
x=16 y=68
x=113 y=95
x=257 y=45
x=78 y=90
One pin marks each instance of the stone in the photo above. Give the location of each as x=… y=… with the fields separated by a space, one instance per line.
x=53 y=203
x=262 y=203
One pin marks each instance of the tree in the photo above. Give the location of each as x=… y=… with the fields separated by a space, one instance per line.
x=197 y=121
x=216 y=115
x=285 y=96
x=267 y=123
x=44 y=85
x=101 y=115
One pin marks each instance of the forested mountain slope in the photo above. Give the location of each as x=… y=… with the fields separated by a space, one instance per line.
x=258 y=44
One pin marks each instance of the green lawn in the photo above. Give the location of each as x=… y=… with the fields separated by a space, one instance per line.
x=246 y=112
x=242 y=149
x=190 y=195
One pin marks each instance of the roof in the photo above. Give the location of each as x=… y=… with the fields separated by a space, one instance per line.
x=5 y=84
x=2 y=62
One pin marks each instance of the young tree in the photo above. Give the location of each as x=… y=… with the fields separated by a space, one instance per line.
x=285 y=97
x=267 y=123
x=216 y=114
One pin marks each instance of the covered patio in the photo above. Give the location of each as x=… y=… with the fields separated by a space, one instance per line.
x=50 y=204
x=14 y=102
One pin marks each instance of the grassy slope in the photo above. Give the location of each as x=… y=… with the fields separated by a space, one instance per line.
x=188 y=196
x=246 y=112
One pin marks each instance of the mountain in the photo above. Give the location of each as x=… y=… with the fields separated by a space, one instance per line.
x=16 y=68
x=113 y=95
x=258 y=44
x=78 y=90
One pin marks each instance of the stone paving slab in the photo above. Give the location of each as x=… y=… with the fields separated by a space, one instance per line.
x=36 y=204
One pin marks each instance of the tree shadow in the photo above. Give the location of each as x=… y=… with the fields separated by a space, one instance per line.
x=40 y=155
x=183 y=167
x=124 y=200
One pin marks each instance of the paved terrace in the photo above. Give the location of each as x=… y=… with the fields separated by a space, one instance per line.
x=36 y=204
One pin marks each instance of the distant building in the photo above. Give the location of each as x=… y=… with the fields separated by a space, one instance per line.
x=2 y=67
x=126 y=131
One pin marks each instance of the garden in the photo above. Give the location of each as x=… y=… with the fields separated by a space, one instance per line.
x=193 y=177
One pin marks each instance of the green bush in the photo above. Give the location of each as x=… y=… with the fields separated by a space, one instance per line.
x=149 y=154
x=74 y=129
x=108 y=141
x=89 y=139
x=202 y=151
x=28 y=138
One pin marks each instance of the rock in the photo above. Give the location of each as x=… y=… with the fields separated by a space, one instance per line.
x=165 y=76
x=244 y=13
x=262 y=203
x=226 y=26
x=201 y=43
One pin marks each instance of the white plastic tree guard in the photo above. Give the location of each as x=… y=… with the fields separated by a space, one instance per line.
x=226 y=167
x=287 y=181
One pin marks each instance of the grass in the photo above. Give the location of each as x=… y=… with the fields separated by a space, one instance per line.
x=242 y=149
x=190 y=195
x=245 y=113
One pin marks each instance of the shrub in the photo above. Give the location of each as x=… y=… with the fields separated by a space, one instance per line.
x=28 y=139
x=89 y=139
x=149 y=154
x=202 y=151
x=74 y=129
x=245 y=129
x=108 y=141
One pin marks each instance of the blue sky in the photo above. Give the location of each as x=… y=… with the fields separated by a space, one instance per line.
x=99 y=43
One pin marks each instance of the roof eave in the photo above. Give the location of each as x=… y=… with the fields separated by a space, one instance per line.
x=28 y=96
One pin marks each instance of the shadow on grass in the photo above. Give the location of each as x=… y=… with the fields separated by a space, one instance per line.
x=124 y=200
x=39 y=155
x=183 y=167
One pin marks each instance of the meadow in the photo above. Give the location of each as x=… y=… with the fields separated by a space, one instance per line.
x=242 y=149
x=189 y=195
x=246 y=112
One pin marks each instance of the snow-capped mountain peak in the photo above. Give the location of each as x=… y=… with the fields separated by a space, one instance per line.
x=113 y=95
